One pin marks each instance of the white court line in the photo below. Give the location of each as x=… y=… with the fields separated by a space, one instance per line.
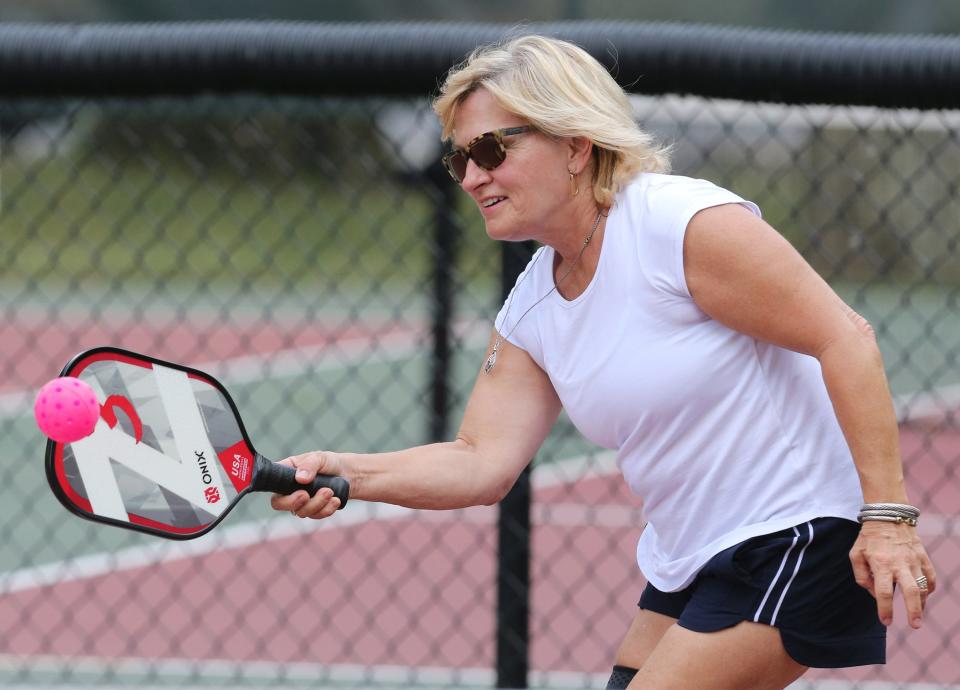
x=295 y=673
x=562 y=514
x=917 y=406
x=365 y=349
x=360 y=349
x=165 y=551
x=922 y=406
x=931 y=407
x=279 y=527
x=200 y=674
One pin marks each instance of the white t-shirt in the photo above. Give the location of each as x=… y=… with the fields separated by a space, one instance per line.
x=722 y=436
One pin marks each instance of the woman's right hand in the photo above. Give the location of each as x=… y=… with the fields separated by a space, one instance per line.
x=308 y=465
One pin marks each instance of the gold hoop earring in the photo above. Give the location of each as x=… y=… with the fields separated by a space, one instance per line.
x=574 y=184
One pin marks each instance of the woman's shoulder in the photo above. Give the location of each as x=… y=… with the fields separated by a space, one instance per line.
x=664 y=197
x=664 y=185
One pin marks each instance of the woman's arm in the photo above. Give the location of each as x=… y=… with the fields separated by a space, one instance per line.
x=742 y=273
x=509 y=414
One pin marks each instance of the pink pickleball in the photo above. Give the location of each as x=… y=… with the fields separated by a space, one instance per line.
x=66 y=409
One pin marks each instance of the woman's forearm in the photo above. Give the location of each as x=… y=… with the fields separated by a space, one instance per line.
x=855 y=380
x=438 y=476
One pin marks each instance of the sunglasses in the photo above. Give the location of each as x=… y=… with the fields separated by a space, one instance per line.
x=486 y=150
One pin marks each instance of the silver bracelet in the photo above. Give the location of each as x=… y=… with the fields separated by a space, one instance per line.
x=912 y=521
x=887 y=513
x=901 y=508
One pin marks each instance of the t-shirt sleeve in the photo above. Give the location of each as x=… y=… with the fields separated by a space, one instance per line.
x=664 y=215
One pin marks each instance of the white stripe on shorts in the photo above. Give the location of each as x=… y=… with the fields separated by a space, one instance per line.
x=795 y=571
x=783 y=563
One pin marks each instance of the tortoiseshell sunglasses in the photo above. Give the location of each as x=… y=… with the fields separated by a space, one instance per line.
x=486 y=150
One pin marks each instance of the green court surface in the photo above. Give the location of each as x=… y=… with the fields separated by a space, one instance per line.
x=918 y=330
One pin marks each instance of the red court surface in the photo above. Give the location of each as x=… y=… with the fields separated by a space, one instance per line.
x=41 y=349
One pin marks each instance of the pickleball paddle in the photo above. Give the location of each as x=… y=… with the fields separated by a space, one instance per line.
x=168 y=456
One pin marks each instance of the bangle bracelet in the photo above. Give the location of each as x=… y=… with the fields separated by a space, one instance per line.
x=912 y=521
x=887 y=513
x=902 y=508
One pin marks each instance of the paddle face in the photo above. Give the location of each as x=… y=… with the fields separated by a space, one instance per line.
x=169 y=454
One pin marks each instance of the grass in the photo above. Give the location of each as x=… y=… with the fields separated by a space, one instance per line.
x=151 y=205
x=82 y=225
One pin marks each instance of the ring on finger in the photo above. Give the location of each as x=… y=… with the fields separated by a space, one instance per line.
x=923 y=584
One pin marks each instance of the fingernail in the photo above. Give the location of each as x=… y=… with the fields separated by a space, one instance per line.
x=916 y=622
x=303 y=474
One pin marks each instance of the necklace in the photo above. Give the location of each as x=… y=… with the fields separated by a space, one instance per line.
x=492 y=359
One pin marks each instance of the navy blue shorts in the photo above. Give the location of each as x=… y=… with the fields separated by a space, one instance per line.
x=799 y=580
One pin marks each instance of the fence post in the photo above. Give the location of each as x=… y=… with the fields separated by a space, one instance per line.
x=513 y=535
x=444 y=249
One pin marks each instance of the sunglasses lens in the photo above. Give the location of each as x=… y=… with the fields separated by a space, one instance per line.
x=487 y=152
x=456 y=162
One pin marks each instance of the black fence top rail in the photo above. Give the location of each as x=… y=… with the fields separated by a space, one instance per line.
x=390 y=59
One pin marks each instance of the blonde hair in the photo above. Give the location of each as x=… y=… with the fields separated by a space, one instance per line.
x=563 y=92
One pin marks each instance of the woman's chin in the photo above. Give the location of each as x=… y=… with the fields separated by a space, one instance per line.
x=503 y=232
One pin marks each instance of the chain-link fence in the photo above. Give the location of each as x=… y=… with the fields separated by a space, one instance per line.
x=310 y=253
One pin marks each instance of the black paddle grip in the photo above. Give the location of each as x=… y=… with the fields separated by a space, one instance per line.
x=280 y=479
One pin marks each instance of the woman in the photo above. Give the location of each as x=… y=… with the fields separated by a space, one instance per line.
x=747 y=403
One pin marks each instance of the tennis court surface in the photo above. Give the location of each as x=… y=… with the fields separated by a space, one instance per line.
x=379 y=595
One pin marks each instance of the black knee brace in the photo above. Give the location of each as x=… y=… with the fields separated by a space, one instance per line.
x=621 y=677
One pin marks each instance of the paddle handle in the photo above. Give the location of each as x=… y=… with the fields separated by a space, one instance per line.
x=280 y=479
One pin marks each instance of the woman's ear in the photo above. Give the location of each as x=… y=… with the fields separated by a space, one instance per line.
x=579 y=152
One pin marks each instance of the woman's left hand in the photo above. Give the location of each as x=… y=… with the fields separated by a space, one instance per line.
x=886 y=553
